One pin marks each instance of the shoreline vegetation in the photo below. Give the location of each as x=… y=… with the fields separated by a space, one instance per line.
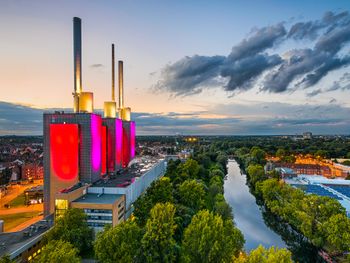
x=322 y=221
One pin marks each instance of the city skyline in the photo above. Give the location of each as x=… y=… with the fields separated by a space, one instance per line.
x=36 y=48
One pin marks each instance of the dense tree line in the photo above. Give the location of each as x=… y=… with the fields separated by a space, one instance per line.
x=182 y=217
x=330 y=147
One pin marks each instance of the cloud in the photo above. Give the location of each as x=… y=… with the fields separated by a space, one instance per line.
x=332 y=100
x=226 y=119
x=194 y=72
x=310 y=30
x=96 y=66
x=252 y=62
x=342 y=84
x=259 y=41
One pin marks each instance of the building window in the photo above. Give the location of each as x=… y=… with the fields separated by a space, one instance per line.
x=61 y=207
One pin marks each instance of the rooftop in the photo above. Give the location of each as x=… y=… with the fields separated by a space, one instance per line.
x=13 y=243
x=98 y=198
x=137 y=168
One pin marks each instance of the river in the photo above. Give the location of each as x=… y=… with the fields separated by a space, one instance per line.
x=258 y=225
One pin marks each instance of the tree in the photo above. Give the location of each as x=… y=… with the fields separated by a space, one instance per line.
x=6 y=259
x=210 y=239
x=257 y=155
x=192 y=194
x=119 y=244
x=321 y=154
x=263 y=255
x=256 y=173
x=222 y=208
x=58 y=252
x=72 y=227
x=160 y=191
x=337 y=230
x=191 y=168
x=158 y=243
x=222 y=159
x=281 y=153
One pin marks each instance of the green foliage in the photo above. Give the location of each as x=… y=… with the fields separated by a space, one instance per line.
x=6 y=259
x=289 y=159
x=204 y=160
x=321 y=154
x=158 y=243
x=274 y=174
x=210 y=239
x=312 y=215
x=222 y=208
x=337 y=231
x=347 y=162
x=183 y=216
x=257 y=155
x=119 y=244
x=192 y=194
x=190 y=168
x=263 y=255
x=256 y=173
x=159 y=191
x=58 y=252
x=281 y=153
x=72 y=227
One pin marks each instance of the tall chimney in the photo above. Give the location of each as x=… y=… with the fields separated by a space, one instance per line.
x=113 y=74
x=77 y=61
x=121 y=88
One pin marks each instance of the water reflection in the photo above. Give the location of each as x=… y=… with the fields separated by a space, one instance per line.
x=247 y=214
x=260 y=226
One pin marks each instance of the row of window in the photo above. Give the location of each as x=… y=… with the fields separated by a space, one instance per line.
x=93 y=217
x=107 y=211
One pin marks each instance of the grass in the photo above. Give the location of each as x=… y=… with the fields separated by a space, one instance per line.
x=12 y=220
x=18 y=201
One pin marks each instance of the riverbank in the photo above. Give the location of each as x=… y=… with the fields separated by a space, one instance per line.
x=258 y=224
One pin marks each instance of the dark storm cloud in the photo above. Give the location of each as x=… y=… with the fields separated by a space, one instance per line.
x=255 y=119
x=259 y=41
x=243 y=67
x=194 y=72
x=242 y=73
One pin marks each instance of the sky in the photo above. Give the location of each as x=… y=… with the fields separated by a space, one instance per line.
x=191 y=67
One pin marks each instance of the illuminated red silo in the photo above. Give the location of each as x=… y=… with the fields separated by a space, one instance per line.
x=64 y=151
x=132 y=139
x=126 y=144
x=104 y=150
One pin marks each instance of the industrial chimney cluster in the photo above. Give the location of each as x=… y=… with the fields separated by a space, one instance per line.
x=83 y=146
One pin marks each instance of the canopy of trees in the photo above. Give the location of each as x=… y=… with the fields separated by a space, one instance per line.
x=58 y=252
x=72 y=227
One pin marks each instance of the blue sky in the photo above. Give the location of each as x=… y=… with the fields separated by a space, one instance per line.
x=151 y=36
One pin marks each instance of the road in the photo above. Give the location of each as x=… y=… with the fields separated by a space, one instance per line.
x=13 y=192
x=22 y=209
x=25 y=224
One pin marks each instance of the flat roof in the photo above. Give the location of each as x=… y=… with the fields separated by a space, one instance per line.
x=139 y=166
x=98 y=198
x=13 y=243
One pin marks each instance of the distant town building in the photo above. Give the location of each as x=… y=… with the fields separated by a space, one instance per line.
x=307 y=135
x=32 y=171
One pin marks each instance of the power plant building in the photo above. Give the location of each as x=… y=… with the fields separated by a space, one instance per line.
x=83 y=147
